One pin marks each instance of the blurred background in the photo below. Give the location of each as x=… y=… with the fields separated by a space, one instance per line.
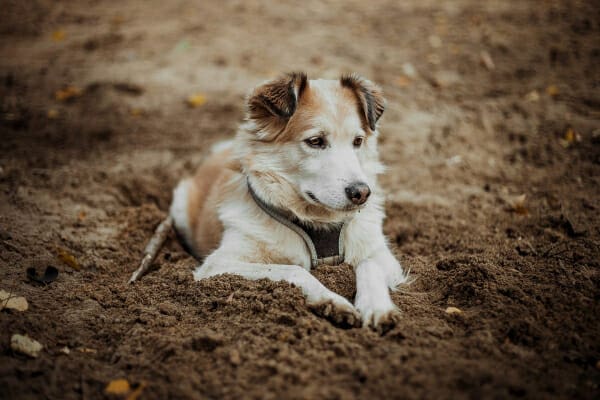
x=491 y=137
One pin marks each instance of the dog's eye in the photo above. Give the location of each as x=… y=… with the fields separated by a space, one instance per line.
x=316 y=142
x=358 y=141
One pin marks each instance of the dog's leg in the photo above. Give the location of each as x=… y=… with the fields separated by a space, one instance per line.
x=374 y=278
x=320 y=299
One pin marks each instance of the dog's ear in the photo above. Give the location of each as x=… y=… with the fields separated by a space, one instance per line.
x=369 y=95
x=272 y=104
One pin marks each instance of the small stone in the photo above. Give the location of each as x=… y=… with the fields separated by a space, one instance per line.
x=65 y=350
x=12 y=302
x=409 y=70
x=435 y=41
x=25 y=345
x=234 y=357
x=453 y=310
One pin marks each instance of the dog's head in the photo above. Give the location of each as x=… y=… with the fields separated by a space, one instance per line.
x=311 y=145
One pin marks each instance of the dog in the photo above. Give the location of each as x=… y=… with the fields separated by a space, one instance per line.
x=295 y=188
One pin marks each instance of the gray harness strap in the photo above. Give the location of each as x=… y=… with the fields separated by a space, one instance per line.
x=326 y=246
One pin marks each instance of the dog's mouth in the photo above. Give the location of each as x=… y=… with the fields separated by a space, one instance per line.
x=311 y=198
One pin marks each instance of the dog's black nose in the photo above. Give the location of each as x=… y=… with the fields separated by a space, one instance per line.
x=358 y=192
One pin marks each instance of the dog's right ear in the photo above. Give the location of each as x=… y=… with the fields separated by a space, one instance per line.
x=271 y=104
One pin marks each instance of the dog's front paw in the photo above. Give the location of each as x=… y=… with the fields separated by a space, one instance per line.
x=337 y=310
x=381 y=320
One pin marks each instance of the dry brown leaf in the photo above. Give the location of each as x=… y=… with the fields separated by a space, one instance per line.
x=87 y=350
x=12 y=302
x=118 y=387
x=52 y=113
x=25 y=345
x=570 y=137
x=68 y=258
x=196 y=100
x=552 y=90
x=518 y=205
x=67 y=93
x=58 y=35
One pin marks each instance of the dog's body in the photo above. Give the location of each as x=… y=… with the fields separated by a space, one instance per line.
x=308 y=151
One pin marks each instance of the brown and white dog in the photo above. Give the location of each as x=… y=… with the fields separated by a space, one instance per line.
x=300 y=174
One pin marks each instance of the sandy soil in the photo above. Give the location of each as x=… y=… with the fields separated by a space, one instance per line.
x=92 y=175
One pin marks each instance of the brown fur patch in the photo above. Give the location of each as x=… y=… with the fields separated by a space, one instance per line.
x=271 y=105
x=370 y=98
x=207 y=191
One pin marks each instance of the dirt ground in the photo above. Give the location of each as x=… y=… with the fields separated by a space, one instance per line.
x=487 y=101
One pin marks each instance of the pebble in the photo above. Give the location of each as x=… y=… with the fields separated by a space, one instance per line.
x=7 y=300
x=453 y=310
x=234 y=357
x=25 y=345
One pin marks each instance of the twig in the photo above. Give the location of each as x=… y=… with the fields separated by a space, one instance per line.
x=153 y=247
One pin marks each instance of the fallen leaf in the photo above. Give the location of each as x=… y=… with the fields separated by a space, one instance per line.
x=87 y=350
x=52 y=113
x=68 y=258
x=58 y=35
x=81 y=215
x=196 y=100
x=518 y=205
x=25 y=345
x=569 y=138
x=67 y=93
x=552 y=91
x=136 y=112
x=118 y=387
x=453 y=310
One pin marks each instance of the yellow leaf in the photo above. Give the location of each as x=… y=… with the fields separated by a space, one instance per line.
x=196 y=100
x=52 y=113
x=552 y=90
x=58 y=35
x=68 y=258
x=118 y=386
x=68 y=93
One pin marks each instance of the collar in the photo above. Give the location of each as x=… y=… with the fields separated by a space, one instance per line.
x=326 y=246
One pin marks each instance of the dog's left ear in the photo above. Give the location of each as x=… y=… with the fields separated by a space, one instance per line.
x=369 y=95
x=272 y=104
